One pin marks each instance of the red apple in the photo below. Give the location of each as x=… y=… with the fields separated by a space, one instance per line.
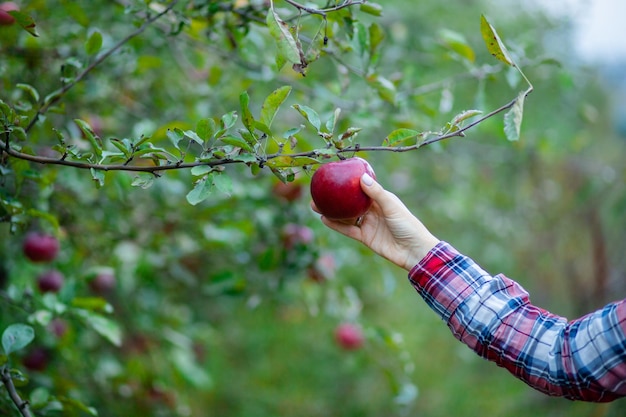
x=103 y=282
x=336 y=189
x=50 y=281
x=36 y=359
x=5 y=18
x=295 y=234
x=288 y=191
x=40 y=247
x=349 y=336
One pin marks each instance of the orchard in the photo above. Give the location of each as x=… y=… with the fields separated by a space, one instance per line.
x=159 y=254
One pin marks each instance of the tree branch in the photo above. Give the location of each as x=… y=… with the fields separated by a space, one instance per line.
x=66 y=87
x=260 y=158
x=21 y=405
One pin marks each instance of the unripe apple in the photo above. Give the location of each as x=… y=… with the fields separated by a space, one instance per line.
x=40 y=247
x=5 y=18
x=50 y=281
x=336 y=189
x=349 y=336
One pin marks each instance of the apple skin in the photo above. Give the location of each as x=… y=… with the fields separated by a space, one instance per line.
x=349 y=336
x=37 y=359
x=50 y=281
x=336 y=189
x=5 y=18
x=40 y=247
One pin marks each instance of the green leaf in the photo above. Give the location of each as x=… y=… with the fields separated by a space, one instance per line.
x=229 y=119
x=94 y=43
x=205 y=128
x=16 y=337
x=246 y=114
x=237 y=142
x=175 y=136
x=513 y=118
x=193 y=136
x=464 y=115
x=457 y=43
x=385 y=88
x=279 y=30
x=309 y=114
x=98 y=177
x=332 y=122
x=143 y=181
x=25 y=21
x=222 y=182
x=374 y=9
x=493 y=42
x=93 y=139
x=272 y=103
x=201 y=170
x=376 y=35
x=183 y=361
x=32 y=92
x=201 y=191
x=400 y=137
x=105 y=327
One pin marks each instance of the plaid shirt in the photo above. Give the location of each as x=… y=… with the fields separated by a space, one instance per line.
x=583 y=359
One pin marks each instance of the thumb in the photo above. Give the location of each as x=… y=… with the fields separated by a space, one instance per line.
x=376 y=192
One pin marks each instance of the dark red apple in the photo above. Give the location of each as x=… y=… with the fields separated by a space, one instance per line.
x=5 y=18
x=336 y=189
x=36 y=359
x=40 y=247
x=50 y=281
x=349 y=336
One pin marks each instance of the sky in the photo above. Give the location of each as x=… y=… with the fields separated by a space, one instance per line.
x=600 y=27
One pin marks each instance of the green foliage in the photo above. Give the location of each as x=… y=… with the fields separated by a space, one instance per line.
x=172 y=143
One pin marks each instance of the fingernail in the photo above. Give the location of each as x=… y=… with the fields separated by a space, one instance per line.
x=367 y=179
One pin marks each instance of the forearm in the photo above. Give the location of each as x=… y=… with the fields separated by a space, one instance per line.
x=584 y=359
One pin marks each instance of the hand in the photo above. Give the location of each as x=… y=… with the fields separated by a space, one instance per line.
x=388 y=228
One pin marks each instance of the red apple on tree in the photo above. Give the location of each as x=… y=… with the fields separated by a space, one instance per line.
x=349 y=336
x=103 y=281
x=5 y=18
x=36 y=359
x=40 y=247
x=336 y=189
x=50 y=281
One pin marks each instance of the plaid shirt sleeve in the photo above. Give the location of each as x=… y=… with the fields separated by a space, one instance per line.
x=582 y=359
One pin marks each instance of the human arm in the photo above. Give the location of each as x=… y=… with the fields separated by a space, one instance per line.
x=583 y=359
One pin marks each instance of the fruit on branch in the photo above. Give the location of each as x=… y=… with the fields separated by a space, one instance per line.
x=288 y=191
x=349 y=336
x=5 y=18
x=103 y=282
x=36 y=359
x=50 y=281
x=40 y=247
x=296 y=235
x=336 y=189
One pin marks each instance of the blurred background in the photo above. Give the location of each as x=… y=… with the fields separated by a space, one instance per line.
x=231 y=307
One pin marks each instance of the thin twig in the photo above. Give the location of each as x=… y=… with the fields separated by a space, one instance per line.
x=21 y=405
x=46 y=105
x=323 y=12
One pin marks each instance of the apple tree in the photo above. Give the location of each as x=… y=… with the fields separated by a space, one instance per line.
x=159 y=256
